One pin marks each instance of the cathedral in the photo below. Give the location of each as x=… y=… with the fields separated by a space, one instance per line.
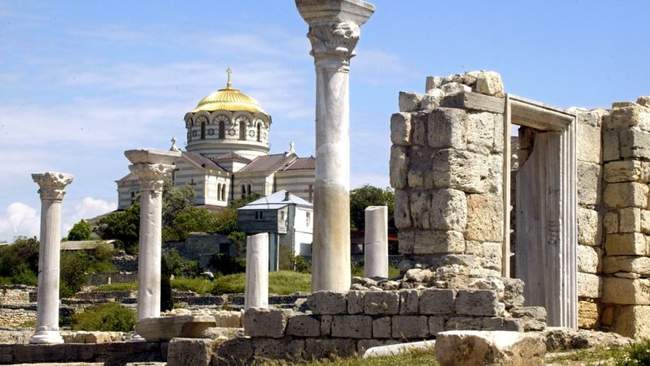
x=227 y=155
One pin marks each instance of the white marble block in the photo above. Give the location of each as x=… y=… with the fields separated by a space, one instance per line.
x=376 y=242
x=257 y=271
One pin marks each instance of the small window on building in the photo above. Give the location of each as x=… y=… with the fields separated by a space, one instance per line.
x=248 y=190
x=243 y=191
x=259 y=132
x=259 y=215
x=202 y=130
x=222 y=130
x=308 y=218
x=223 y=192
x=242 y=130
x=311 y=193
x=219 y=192
x=132 y=196
x=281 y=215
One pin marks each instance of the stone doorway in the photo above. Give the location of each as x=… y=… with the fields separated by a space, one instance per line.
x=545 y=209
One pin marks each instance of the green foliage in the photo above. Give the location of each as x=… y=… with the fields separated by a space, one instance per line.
x=637 y=354
x=105 y=317
x=190 y=219
x=77 y=265
x=300 y=264
x=368 y=195
x=80 y=231
x=19 y=262
x=175 y=200
x=198 y=285
x=179 y=266
x=123 y=226
x=225 y=264
x=280 y=283
x=166 y=298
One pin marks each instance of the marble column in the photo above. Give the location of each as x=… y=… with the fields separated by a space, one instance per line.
x=376 y=242
x=151 y=167
x=334 y=29
x=257 y=271
x=51 y=189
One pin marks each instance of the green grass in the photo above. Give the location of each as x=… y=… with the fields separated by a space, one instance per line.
x=405 y=359
x=108 y=317
x=280 y=283
x=198 y=285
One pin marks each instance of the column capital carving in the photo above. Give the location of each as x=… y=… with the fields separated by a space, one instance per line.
x=334 y=40
x=151 y=176
x=52 y=184
x=334 y=26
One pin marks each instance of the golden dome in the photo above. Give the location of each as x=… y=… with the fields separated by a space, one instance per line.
x=228 y=99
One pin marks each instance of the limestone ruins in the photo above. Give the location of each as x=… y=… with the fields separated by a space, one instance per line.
x=512 y=215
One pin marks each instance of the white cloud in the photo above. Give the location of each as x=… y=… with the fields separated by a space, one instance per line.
x=19 y=219
x=86 y=208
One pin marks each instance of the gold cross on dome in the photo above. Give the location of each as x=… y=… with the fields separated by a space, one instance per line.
x=229 y=72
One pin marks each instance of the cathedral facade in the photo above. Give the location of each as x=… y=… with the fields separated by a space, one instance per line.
x=227 y=155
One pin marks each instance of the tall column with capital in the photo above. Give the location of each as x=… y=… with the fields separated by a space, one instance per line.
x=151 y=167
x=334 y=29
x=51 y=189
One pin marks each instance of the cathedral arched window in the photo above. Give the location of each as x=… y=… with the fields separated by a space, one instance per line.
x=243 y=191
x=242 y=130
x=218 y=191
x=223 y=192
x=259 y=132
x=248 y=190
x=222 y=130
x=202 y=130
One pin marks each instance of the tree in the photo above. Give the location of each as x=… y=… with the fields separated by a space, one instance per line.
x=80 y=231
x=19 y=261
x=123 y=226
x=368 y=195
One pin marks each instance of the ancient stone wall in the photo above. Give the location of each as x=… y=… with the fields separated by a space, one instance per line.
x=15 y=294
x=626 y=265
x=446 y=167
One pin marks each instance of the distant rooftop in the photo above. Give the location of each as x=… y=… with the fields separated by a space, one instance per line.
x=276 y=201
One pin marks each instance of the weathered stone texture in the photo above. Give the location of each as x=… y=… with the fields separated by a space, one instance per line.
x=448 y=210
x=626 y=291
x=259 y=322
x=633 y=321
x=588 y=259
x=474 y=348
x=624 y=171
x=461 y=170
x=409 y=300
x=327 y=302
x=409 y=102
x=324 y=348
x=303 y=326
x=640 y=265
x=437 y=301
x=588 y=144
x=634 y=144
x=381 y=302
x=629 y=220
x=410 y=326
x=398 y=167
x=484 y=217
x=587 y=315
x=433 y=242
x=382 y=327
x=477 y=303
x=352 y=326
x=190 y=352
x=588 y=227
x=589 y=285
x=611 y=149
x=400 y=129
x=626 y=244
x=588 y=183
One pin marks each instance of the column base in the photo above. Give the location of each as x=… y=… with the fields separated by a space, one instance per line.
x=46 y=337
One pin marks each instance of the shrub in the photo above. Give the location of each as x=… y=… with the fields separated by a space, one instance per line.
x=226 y=265
x=300 y=264
x=198 y=285
x=80 y=231
x=179 y=266
x=637 y=354
x=19 y=261
x=105 y=317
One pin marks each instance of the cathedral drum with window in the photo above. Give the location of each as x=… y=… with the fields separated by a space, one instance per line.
x=228 y=157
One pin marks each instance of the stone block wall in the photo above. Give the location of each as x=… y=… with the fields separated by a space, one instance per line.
x=446 y=167
x=15 y=294
x=344 y=324
x=626 y=264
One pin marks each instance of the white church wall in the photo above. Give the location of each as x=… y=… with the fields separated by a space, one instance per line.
x=303 y=229
x=297 y=182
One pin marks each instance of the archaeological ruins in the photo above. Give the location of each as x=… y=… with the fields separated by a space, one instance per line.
x=514 y=218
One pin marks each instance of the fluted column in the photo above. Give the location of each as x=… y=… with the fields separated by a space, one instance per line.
x=51 y=189
x=375 y=249
x=334 y=29
x=151 y=168
x=257 y=271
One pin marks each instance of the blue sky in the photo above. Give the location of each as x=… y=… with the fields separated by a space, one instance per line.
x=82 y=81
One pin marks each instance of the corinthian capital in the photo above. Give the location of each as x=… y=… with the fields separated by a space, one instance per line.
x=151 y=176
x=334 y=39
x=52 y=184
x=334 y=25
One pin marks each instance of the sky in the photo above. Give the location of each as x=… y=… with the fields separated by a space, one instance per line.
x=83 y=81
